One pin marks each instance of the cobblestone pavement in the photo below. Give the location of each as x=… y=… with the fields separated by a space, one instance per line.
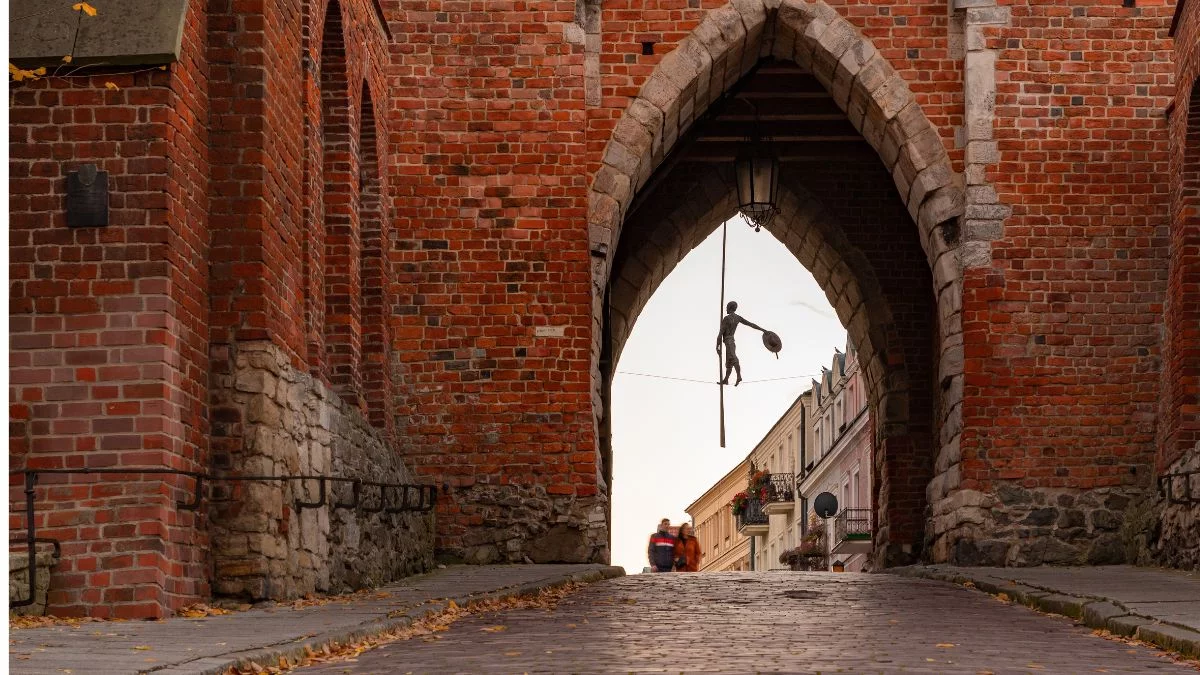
x=211 y=645
x=766 y=622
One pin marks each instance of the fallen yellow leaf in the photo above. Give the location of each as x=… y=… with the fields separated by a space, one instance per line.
x=944 y=645
x=143 y=648
x=494 y=629
x=112 y=85
x=67 y=58
x=512 y=653
x=85 y=8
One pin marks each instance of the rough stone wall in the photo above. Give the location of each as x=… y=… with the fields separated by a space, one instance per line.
x=292 y=424
x=18 y=581
x=108 y=337
x=1179 y=429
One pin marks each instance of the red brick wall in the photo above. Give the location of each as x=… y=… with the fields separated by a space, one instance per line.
x=1180 y=428
x=108 y=349
x=1062 y=330
x=490 y=188
x=912 y=35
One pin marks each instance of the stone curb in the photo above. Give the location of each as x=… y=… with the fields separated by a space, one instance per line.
x=295 y=650
x=1094 y=612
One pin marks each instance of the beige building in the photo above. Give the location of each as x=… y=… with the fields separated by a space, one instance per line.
x=756 y=538
x=778 y=454
x=723 y=548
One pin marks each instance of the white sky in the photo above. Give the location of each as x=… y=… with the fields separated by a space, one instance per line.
x=666 y=450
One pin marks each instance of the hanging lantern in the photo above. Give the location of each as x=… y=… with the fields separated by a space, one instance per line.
x=757 y=174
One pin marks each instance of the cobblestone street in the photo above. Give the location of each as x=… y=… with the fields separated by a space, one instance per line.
x=765 y=622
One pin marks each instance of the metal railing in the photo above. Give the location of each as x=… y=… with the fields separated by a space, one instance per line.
x=852 y=525
x=752 y=514
x=405 y=497
x=1167 y=484
x=781 y=487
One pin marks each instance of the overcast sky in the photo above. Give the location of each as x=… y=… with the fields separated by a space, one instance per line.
x=666 y=450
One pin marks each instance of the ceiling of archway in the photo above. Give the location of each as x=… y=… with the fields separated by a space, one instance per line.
x=793 y=112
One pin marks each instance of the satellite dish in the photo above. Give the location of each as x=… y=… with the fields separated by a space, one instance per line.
x=825 y=505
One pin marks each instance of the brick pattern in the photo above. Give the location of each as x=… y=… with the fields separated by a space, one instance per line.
x=343 y=239
x=108 y=339
x=374 y=366
x=219 y=178
x=1080 y=153
x=487 y=247
x=1179 y=430
x=116 y=332
x=1181 y=372
x=881 y=104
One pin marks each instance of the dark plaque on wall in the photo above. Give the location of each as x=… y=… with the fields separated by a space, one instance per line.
x=87 y=197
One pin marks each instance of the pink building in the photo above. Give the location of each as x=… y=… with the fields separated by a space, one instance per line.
x=839 y=460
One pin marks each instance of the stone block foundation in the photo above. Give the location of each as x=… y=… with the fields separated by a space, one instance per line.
x=277 y=421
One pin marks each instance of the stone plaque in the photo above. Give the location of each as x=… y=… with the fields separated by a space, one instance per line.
x=87 y=197
x=550 y=331
x=123 y=32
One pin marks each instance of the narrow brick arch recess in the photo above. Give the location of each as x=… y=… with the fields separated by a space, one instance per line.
x=343 y=240
x=722 y=49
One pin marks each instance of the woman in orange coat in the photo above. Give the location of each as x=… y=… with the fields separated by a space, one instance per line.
x=687 y=550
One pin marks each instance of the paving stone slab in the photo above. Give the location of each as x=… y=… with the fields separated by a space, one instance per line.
x=1182 y=640
x=262 y=635
x=1099 y=613
x=1157 y=605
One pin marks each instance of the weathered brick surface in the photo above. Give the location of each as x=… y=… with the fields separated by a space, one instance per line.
x=108 y=348
x=398 y=196
x=1179 y=430
x=122 y=337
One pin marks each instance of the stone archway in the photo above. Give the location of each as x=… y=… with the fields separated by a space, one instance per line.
x=722 y=49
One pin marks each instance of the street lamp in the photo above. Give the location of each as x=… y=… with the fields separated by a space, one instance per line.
x=757 y=174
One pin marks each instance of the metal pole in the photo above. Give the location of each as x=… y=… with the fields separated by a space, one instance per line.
x=30 y=540
x=720 y=316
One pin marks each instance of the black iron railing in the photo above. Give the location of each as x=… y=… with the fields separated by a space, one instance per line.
x=852 y=525
x=781 y=487
x=752 y=514
x=404 y=497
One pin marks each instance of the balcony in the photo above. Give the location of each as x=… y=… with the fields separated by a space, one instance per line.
x=752 y=521
x=781 y=494
x=852 y=532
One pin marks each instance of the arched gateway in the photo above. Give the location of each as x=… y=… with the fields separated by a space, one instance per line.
x=692 y=97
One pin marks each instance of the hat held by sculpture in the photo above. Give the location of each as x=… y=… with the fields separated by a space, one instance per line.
x=772 y=342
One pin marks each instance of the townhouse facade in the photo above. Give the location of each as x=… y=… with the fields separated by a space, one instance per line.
x=723 y=547
x=840 y=462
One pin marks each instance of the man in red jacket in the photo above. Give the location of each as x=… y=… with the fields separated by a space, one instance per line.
x=661 y=551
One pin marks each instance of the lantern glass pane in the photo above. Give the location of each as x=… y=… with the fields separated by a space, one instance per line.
x=764 y=179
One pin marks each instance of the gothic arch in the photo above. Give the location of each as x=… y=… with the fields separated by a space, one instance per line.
x=704 y=66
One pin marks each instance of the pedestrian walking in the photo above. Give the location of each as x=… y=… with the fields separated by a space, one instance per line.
x=661 y=551
x=687 y=550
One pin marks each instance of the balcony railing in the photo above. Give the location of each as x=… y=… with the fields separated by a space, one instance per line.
x=852 y=525
x=752 y=517
x=781 y=487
